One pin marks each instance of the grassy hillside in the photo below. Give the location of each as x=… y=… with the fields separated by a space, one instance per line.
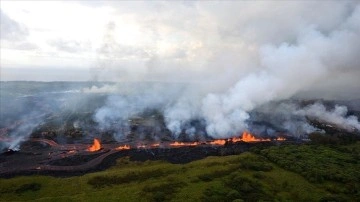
x=279 y=173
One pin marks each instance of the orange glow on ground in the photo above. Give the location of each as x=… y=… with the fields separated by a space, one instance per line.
x=245 y=137
x=124 y=147
x=218 y=142
x=155 y=145
x=96 y=145
x=179 y=144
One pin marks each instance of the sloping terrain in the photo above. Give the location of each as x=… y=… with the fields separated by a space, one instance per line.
x=283 y=173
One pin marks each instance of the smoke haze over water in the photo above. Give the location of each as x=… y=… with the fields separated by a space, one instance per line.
x=222 y=63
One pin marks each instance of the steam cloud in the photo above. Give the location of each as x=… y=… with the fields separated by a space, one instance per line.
x=224 y=65
x=274 y=66
x=21 y=133
x=336 y=116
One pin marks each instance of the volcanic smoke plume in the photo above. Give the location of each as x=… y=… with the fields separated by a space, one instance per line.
x=213 y=70
x=305 y=54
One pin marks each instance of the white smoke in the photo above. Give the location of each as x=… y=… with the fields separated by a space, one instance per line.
x=285 y=70
x=22 y=132
x=269 y=57
x=131 y=100
x=103 y=89
x=337 y=116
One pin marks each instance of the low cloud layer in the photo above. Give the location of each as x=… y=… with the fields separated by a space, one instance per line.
x=10 y=29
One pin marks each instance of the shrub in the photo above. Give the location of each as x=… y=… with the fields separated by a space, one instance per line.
x=233 y=195
x=102 y=181
x=215 y=194
x=316 y=163
x=255 y=163
x=162 y=192
x=28 y=187
x=333 y=198
x=250 y=190
x=238 y=200
x=259 y=175
x=207 y=177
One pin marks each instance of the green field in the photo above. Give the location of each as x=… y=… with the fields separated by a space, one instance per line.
x=278 y=173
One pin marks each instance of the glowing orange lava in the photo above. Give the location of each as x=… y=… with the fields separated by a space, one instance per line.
x=72 y=152
x=218 y=142
x=125 y=147
x=155 y=145
x=96 y=145
x=235 y=139
x=179 y=144
x=142 y=146
x=280 y=139
x=247 y=137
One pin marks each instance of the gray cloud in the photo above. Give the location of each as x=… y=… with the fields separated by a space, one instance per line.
x=71 y=46
x=111 y=49
x=25 y=46
x=10 y=29
x=14 y=34
x=119 y=51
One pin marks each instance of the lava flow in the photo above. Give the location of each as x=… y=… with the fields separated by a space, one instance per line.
x=96 y=145
x=125 y=147
x=179 y=144
x=248 y=137
x=280 y=139
x=245 y=137
x=76 y=157
x=218 y=142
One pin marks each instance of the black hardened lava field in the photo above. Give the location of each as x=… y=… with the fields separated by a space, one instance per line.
x=44 y=156
x=70 y=152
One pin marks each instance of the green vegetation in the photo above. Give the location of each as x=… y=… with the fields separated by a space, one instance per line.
x=278 y=173
x=102 y=181
x=333 y=168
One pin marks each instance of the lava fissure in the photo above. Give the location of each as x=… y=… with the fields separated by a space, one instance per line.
x=96 y=145
x=77 y=158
